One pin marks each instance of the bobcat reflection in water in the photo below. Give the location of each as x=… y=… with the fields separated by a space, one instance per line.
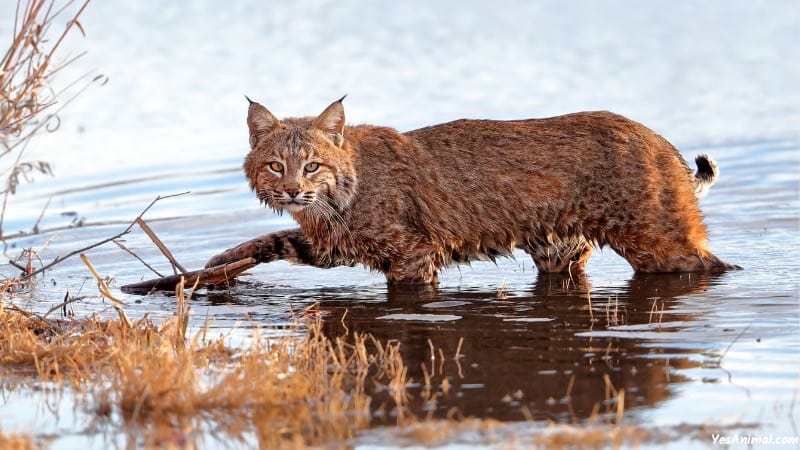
x=522 y=352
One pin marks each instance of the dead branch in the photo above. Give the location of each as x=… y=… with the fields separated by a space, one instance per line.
x=212 y=275
x=176 y=266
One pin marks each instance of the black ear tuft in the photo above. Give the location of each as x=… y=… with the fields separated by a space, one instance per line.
x=331 y=122
x=342 y=99
x=260 y=122
x=251 y=102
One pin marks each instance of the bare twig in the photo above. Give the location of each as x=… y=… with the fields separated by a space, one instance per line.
x=738 y=336
x=132 y=253
x=67 y=301
x=41 y=216
x=17 y=265
x=127 y=230
x=176 y=266
x=60 y=259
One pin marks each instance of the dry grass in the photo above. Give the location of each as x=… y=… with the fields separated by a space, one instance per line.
x=299 y=390
x=29 y=103
x=16 y=442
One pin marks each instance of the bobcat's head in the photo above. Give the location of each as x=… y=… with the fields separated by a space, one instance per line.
x=300 y=163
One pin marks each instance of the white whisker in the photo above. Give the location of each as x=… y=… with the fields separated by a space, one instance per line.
x=329 y=213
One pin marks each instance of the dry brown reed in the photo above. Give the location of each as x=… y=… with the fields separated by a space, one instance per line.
x=16 y=442
x=301 y=389
x=29 y=102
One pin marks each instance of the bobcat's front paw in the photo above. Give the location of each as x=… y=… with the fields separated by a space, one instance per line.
x=228 y=256
x=249 y=249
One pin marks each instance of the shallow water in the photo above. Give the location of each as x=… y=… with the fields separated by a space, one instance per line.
x=687 y=349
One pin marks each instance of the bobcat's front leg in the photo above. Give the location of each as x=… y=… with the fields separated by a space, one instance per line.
x=288 y=245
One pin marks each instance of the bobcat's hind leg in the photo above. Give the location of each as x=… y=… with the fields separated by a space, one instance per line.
x=689 y=261
x=419 y=263
x=288 y=245
x=660 y=254
x=700 y=262
x=569 y=256
x=412 y=270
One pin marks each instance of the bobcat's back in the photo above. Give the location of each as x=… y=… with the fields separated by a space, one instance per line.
x=551 y=181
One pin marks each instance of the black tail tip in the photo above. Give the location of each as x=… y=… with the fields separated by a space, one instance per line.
x=706 y=167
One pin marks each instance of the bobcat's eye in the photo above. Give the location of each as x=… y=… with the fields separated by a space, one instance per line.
x=275 y=166
x=311 y=167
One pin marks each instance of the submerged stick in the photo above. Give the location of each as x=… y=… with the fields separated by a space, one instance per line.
x=212 y=275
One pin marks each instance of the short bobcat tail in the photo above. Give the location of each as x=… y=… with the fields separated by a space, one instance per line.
x=706 y=175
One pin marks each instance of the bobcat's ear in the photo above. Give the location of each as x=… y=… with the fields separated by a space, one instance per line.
x=331 y=121
x=260 y=122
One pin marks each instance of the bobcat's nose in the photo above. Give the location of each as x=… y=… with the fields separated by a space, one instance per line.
x=293 y=192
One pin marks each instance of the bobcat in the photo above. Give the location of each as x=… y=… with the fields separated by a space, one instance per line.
x=409 y=204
